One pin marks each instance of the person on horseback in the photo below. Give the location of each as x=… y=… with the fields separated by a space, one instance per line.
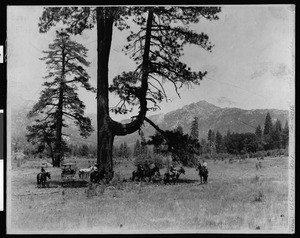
x=146 y=165
x=199 y=167
x=172 y=170
x=42 y=177
x=204 y=164
x=205 y=171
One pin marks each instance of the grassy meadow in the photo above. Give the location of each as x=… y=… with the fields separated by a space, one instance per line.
x=238 y=197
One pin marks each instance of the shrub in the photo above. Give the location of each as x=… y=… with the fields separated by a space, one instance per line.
x=158 y=160
x=255 y=179
x=140 y=159
x=258 y=197
x=258 y=165
x=117 y=181
x=243 y=156
x=19 y=158
x=91 y=190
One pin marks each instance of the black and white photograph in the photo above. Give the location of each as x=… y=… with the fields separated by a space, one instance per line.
x=150 y=119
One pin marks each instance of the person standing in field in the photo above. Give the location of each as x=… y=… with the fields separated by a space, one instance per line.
x=204 y=171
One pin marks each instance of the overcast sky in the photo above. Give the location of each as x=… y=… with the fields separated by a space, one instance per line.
x=250 y=67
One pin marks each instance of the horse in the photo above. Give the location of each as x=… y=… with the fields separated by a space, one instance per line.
x=203 y=173
x=156 y=178
x=168 y=177
x=150 y=172
x=138 y=174
x=85 y=173
x=42 y=178
x=96 y=176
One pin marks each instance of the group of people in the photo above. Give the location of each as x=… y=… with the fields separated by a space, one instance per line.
x=202 y=168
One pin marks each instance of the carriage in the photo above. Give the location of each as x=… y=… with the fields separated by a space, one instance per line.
x=68 y=172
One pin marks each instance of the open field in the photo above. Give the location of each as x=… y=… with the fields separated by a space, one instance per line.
x=238 y=196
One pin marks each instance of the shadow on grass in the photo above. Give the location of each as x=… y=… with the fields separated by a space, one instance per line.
x=74 y=183
x=181 y=181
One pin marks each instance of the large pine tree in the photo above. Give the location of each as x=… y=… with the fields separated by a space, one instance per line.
x=59 y=99
x=259 y=134
x=276 y=135
x=137 y=148
x=285 y=136
x=211 y=140
x=258 y=131
x=156 y=48
x=144 y=147
x=195 y=129
x=219 y=142
x=268 y=128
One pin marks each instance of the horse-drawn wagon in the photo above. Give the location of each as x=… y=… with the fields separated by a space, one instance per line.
x=68 y=172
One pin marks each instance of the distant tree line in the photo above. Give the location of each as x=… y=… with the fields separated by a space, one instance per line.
x=186 y=148
x=271 y=137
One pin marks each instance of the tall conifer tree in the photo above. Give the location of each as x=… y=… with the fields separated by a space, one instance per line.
x=59 y=100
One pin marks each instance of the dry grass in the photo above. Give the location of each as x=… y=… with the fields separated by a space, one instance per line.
x=237 y=197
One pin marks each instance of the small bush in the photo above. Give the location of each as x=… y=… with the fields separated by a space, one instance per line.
x=91 y=190
x=207 y=157
x=258 y=197
x=158 y=160
x=258 y=165
x=117 y=181
x=19 y=158
x=255 y=179
x=243 y=156
x=140 y=159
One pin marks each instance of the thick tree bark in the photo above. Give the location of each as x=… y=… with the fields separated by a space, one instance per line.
x=105 y=136
x=52 y=154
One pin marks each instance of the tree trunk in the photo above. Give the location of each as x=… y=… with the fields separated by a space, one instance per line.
x=106 y=127
x=105 y=136
x=58 y=147
x=58 y=151
x=52 y=154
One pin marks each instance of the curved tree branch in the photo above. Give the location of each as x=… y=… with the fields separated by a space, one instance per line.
x=124 y=129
